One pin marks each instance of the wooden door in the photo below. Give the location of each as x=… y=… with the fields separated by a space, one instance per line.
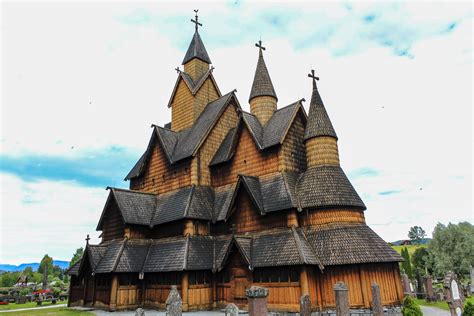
x=240 y=285
x=89 y=297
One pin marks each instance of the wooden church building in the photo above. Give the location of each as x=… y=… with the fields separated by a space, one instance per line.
x=223 y=199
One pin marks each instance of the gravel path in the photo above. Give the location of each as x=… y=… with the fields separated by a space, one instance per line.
x=432 y=311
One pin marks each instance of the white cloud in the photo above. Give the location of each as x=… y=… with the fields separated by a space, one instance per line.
x=46 y=217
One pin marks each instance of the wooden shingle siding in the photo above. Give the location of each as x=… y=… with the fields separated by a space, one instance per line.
x=196 y=68
x=292 y=153
x=200 y=171
x=182 y=115
x=248 y=160
x=207 y=93
x=322 y=151
x=247 y=218
x=160 y=176
x=113 y=227
x=328 y=216
x=263 y=108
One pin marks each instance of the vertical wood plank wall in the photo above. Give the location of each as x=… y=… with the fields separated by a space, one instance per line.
x=113 y=227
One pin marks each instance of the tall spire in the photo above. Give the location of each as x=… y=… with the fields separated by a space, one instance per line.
x=319 y=123
x=196 y=48
x=262 y=84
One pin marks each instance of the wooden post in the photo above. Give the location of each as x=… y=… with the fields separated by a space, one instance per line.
x=342 y=299
x=113 y=293
x=214 y=291
x=188 y=228
x=304 y=281
x=292 y=218
x=184 y=290
x=377 y=307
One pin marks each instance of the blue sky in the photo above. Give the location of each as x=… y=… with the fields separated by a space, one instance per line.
x=82 y=82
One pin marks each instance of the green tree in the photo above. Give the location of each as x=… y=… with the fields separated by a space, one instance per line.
x=452 y=248
x=76 y=256
x=416 y=234
x=420 y=260
x=406 y=265
x=469 y=309
x=46 y=262
x=410 y=307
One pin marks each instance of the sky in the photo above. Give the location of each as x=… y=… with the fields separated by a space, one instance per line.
x=81 y=83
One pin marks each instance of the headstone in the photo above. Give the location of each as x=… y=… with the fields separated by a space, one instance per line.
x=342 y=299
x=140 y=312
x=305 y=305
x=420 y=289
x=453 y=293
x=406 y=285
x=231 y=310
x=377 y=308
x=430 y=296
x=174 y=303
x=257 y=298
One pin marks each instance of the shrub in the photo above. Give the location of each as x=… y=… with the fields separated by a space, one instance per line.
x=410 y=307
x=469 y=309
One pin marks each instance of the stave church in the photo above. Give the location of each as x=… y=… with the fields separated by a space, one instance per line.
x=223 y=199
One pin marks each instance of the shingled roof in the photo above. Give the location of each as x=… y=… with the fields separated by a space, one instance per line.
x=349 y=244
x=326 y=186
x=184 y=144
x=262 y=84
x=197 y=50
x=319 y=123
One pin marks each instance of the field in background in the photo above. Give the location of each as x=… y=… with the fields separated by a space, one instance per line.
x=411 y=248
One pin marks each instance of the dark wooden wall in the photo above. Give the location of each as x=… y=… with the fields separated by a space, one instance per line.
x=113 y=227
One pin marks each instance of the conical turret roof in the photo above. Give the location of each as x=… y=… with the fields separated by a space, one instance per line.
x=319 y=123
x=262 y=84
x=197 y=50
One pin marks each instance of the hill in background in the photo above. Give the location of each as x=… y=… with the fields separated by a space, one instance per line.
x=34 y=266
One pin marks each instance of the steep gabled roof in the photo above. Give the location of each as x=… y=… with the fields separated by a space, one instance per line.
x=227 y=148
x=184 y=144
x=262 y=83
x=197 y=50
x=326 y=186
x=276 y=129
x=192 y=85
x=319 y=123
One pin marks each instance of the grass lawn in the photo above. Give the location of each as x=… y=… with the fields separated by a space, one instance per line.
x=12 y=306
x=442 y=305
x=51 y=311
x=411 y=248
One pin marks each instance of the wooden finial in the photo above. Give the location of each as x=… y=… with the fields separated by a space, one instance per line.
x=196 y=20
x=87 y=239
x=259 y=45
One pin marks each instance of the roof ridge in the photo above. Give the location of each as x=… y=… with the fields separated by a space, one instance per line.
x=131 y=191
x=119 y=254
x=185 y=261
x=146 y=256
x=298 y=244
x=190 y=199
x=287 y=187
x=320 y=264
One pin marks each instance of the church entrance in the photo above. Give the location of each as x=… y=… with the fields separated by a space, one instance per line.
x=241 y=278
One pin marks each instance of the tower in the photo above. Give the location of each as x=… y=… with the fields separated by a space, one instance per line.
x=262 y=99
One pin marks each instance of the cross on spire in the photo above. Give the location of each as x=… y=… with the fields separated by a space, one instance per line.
x=259 y=45
x=87 y=239
x=312 y=75
x=196 y=20
x=177 y=70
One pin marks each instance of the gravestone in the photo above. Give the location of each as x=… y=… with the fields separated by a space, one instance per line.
x=174 y=303
x=231 y=310
x=305 y=305
x=420 y=291
x=430 y=296
x=454 y=294
x=257 y=298
x=140 y=312
x=406 y=285
x=342 y=299
x=377 y=308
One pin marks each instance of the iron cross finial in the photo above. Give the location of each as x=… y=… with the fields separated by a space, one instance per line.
x=196 y=20
x=177 y=70
x=312 y=75
x=259 y=45
x=87 y=239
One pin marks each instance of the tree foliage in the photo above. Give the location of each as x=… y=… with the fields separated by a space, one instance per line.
x=416 y=234
x=76 y=256
x=421 y=261
x=47 y=261
x=410 y=307
x=406 y=265
x=469 y=309
x=452 y=248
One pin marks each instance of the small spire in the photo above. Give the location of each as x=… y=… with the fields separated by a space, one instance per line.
x=262 y=83
x=196 y=48
x=318 y=123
